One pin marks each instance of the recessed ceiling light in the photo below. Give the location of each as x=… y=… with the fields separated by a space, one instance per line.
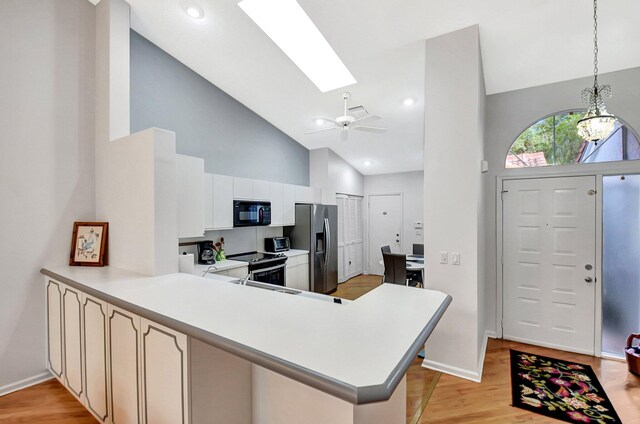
x=367 y=163
x=319 y=121
x=408 y=101
x=287 y=24
x=194 y=11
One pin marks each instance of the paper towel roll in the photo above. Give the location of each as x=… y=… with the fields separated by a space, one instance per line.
x=186 y=263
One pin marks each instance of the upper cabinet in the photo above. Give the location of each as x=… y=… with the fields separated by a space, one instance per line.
x=289 y=204
x=190 y=190
x=277 y=204
x=218 y=194
x=304 y=194
x=248 y=189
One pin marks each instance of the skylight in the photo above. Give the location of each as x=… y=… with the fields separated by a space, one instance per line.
x=287 y=24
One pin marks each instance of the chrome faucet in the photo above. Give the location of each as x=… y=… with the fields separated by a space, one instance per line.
x=243 y=282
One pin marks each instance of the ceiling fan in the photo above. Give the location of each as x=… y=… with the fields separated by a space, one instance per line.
x=347 y=122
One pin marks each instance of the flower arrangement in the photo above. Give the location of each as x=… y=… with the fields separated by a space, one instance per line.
x=219 y=248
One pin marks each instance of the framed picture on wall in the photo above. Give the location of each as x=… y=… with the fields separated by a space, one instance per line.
x=89 y=244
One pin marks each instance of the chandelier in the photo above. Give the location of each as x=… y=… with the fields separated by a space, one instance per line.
x=596 y=124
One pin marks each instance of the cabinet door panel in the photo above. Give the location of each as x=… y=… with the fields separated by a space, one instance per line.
x=276 y=192
x=54 y=324
x=72 y=324
x=124 y=333
x=261 y=190
x=292 y=277
x=289 y=204
x=242 y=188
x=94 y=314
x=341 y=274
x=164 y=357
x=223 y=187
x=208 y=201
x=303 y=277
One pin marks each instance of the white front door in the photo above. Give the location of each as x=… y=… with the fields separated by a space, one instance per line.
x=549 y=245
x=385 y=228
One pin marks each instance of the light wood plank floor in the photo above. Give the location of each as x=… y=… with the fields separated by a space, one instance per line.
x=454 y=400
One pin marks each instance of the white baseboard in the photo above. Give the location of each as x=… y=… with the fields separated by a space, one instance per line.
x=23 y=384
x=491 y=334
x=475 y=376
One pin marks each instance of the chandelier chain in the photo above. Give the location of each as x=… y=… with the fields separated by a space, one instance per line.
x=595 y=42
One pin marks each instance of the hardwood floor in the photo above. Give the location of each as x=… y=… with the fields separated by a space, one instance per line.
x=450 y=399
x=461 y=401
x=47 y=402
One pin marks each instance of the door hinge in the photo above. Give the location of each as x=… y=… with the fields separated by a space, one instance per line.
x=502 y=194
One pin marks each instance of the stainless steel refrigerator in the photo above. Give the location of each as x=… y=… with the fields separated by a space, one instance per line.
x=316 y=230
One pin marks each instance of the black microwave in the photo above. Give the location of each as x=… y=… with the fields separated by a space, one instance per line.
x=247 y=213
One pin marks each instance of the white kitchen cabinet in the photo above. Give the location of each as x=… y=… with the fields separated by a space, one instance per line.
x=289 y=204
x=239 y=272
x=242 y=188
x=72 y=340
x=218 y=192
x=125 y=366
x=190 y=196
x=165 y=374
x=96 y=375
x=261 y=190
x=249 y=189
x=277 y=204
x=54 y=291
x=304 y=194
x=298 y=272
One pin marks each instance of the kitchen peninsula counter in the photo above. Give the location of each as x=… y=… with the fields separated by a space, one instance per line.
x=357 y=352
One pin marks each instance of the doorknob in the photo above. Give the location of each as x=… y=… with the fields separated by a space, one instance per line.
x=588 y=280
x=397 y=240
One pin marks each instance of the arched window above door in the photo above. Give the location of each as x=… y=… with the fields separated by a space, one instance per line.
x=554 y=140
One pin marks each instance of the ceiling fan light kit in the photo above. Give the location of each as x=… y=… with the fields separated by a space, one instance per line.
x=347 y=122
x=596 y=124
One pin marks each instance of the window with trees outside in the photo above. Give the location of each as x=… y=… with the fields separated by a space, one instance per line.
x=554 y=140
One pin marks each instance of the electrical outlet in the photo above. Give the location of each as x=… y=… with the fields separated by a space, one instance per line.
x=444 y=257
x=455 y=258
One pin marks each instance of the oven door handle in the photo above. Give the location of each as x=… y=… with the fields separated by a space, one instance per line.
x=273 y=268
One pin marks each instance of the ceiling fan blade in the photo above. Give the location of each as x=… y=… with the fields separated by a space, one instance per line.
x=326 y=120
x=365 y=119
x=321 y=130
x=344 y=135
x=371 y=129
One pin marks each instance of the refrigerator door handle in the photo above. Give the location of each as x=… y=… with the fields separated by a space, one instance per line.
x=327 y=242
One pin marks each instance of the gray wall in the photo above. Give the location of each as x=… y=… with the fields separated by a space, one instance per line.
x=510 y=113
x=209 y=123
x=46 y=163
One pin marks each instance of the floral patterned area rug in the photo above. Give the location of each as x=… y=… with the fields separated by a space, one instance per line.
x=563 y=390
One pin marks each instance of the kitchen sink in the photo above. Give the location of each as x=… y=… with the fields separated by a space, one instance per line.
x=266 y=286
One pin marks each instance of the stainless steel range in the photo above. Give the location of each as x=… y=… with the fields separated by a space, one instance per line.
x=265 y=267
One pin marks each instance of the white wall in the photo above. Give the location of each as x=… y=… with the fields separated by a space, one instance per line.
x=510 y=113
x=411 y=185
x=333 y=174
x=46 y=163
x=452 y=192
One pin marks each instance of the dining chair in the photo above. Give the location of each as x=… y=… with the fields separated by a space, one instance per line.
x=418 y=249
x=395 y=270
x=385 y=249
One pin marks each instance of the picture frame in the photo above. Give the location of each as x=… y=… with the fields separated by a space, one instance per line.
x=89 y=244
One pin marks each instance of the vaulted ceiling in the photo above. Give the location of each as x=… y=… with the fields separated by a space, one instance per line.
x=524 y=43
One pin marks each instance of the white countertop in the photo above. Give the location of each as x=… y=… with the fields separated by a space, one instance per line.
x=356 y=344
x=218 y=266
x=292 y=252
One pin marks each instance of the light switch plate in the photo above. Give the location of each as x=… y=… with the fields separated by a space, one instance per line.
x=444 y=257
x=455 y=258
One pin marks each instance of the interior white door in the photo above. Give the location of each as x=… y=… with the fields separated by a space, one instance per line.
x=385 y=227
x=549 y=273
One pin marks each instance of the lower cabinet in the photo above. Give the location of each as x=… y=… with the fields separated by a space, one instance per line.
x=124 y=363
x=95 y=345
x=123 y=368
x=298 y=272
x=165 y=383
